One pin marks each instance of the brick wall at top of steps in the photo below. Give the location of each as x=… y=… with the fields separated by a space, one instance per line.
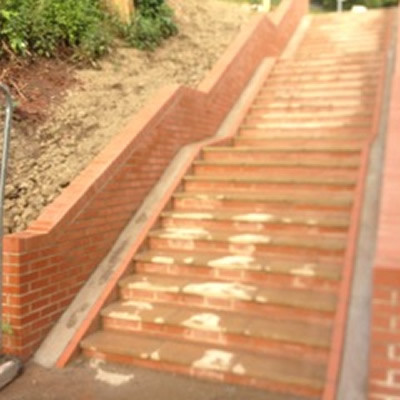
x=384 y=372
x=46 y=265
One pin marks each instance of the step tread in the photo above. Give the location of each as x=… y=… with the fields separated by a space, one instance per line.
x=255 y=263
x=289 y=331
x=284 y=163
x=339 y=181
x=272 y=239
x=234 y=291
x=284 y=149
x=204 y=357
x=340 y=199
x=261 y=217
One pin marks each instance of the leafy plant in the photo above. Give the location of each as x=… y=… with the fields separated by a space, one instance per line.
x=46 y=27
x=154 y=22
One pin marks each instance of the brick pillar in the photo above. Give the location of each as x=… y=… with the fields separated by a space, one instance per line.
x=123 y=8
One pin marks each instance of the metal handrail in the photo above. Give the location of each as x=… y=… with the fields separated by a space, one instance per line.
x=3 y=174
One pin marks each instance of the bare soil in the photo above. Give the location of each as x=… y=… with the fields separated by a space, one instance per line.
x=66 y=116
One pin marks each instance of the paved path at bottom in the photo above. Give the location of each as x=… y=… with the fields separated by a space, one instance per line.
x=94 y=381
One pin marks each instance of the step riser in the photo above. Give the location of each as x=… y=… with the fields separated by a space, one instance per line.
x=267 y=310
x=286 y=107
x=296 y=135
x=239 y=275
x=254 y=206
x=243 y=248
x=320 y=86
x=262 y=117
x=317 y=104
x=337 y=68
x=253 y=227
x=326 y=144
x=347 y=131
x=262 y=171
x=217 y=338
x=204 y=374
x=220 y=187
x=353 y=78
x=367 y=60
x=260 y=156
x=290 y=93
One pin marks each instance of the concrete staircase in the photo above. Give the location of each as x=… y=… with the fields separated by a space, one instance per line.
x=240 y=279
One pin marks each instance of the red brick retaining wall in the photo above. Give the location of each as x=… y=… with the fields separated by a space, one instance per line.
x=384 y=383
x=46 y=265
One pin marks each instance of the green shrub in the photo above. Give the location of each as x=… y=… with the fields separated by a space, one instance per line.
x=154 y=22
x=45 y=27
x=331 y=4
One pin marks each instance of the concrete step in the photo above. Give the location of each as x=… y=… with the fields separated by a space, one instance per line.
x=296 y=94
x=262 y=202
x=233 y=330
x=299 y=116
x=338 y=47
x=275 y=374
x=262 y=270
x=310 y=224
x=275 y=142
x=338 y=222
x=251 y=154
x=309 y=125
x=322 y=76
x=225 y=241
x=298 y=68
x=321 y=104
x=286 y=146
x=205 y=168
x=234 y=296
x=352 y=55
x=320 y=86
x=198 y=183
x=353 y=106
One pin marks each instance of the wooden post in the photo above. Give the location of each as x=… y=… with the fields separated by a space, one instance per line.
x=123 y=8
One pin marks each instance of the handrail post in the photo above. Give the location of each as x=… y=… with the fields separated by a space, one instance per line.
x=3 y=175
x=10 y=367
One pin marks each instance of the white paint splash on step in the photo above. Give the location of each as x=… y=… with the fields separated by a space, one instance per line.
x=129 y=316
x=153 y=286
x=110 y=378
x=216 y=360
x=305 y=270
x=226 y=290
x=262 y=299
x=141 y=305
x=255 y=217
x=198 y=215
x=238 y=369
x=155 y=355
x=203 y=321
x=186 y=233
x=162 y=260
x=250 y=238
x=231 y=262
